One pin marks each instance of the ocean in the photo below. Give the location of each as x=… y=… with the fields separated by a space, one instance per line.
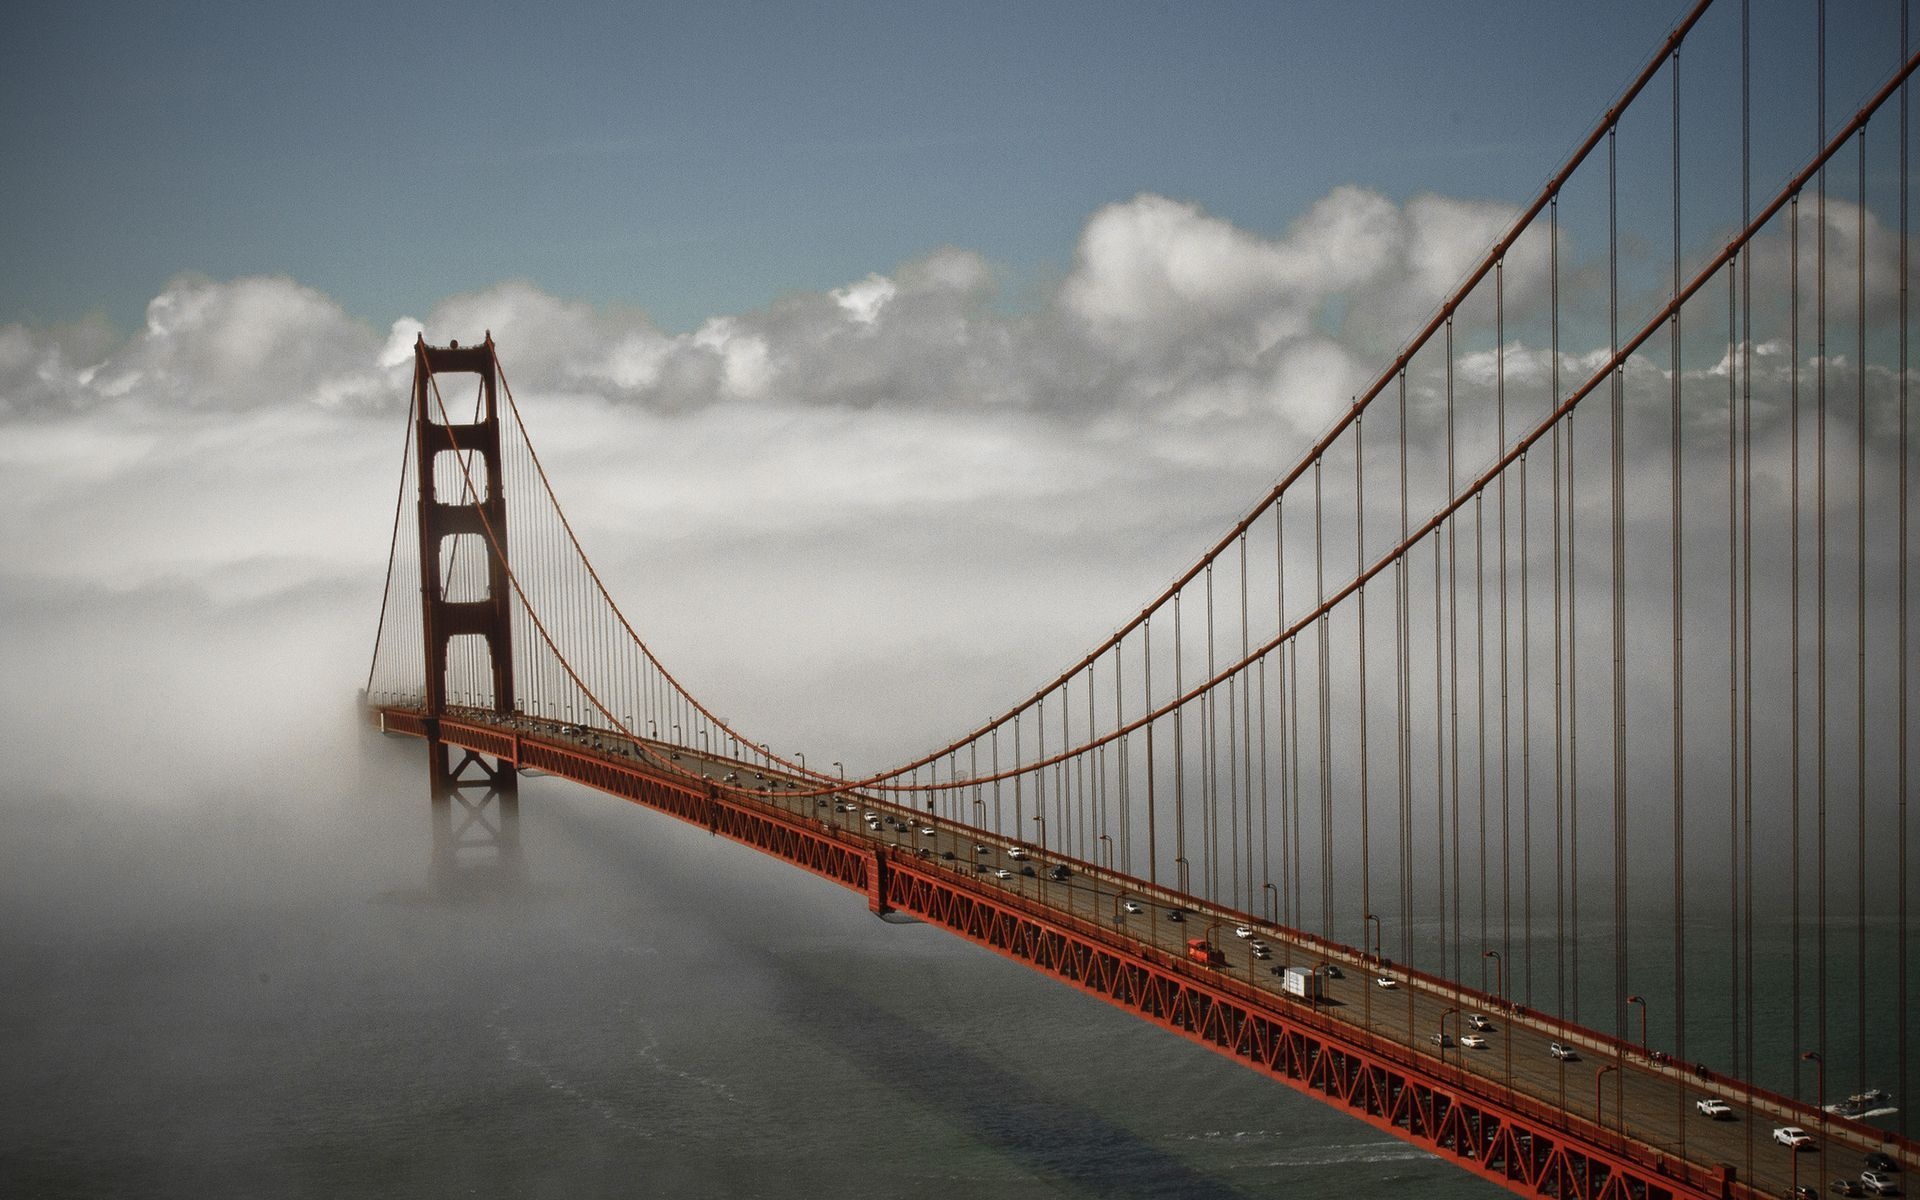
x=259 y=995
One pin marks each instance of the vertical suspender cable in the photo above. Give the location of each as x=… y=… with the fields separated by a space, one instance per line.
x=1679 y=643
x=1146 y=672
x=1744 y=1061
x=1793 y=617
x=1619 y=578
x=1246 y=721
x=1179 y=759
x=1820 y=556
x=1860 y=615
x=1902 y=1022
x=1322 y=656
x=1402 y=693
x=1500 y=509
x=1559 y=643
x=1453 y=660
x=1360 y=601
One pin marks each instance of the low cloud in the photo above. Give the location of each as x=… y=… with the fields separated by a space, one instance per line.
x=843 y=494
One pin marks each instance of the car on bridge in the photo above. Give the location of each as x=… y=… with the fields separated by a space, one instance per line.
x=1793 y=1137
x=1563 y=1053
x=1479 y=1022
x=1876 y=1161
x=1243 y=931
x=1132 y=906
x=1879 y=1183
x=1385 y=981
x=1002 y=873
x=1715 y=1107
x=1473 y=1041
x=1016 y=852
x=1846 y=1187
x=1441 y=1040
x=1174 y=914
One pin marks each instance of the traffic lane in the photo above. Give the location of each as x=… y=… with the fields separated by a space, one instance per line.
x=1657 y=1103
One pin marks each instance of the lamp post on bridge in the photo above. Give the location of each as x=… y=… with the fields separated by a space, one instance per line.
x=1642 y=1002
x=1376 y=936
x=1108 y=839
x=1819 y=1082
x=1181 y=862
x=1499 y=976
x=701 y=735
x=1451 y=1012
x=653 y=729
x=1271 y=903
x=1597 y=1077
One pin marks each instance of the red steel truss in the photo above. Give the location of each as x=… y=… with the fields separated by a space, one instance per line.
x=1474 y=1123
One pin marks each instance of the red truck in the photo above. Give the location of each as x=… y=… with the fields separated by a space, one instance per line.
x=1205 y=953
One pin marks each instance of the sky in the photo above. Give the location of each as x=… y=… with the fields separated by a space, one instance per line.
x=869 y=344
x=693 y=160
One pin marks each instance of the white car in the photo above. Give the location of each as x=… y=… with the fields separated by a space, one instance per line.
x=1473 y=1041
x=928 y=830
x=1244 y=931
x=1793 y=1137
x=1002 y=873
x=1563 y=1053
x=1386 y=981
x=1713 y=1106
x=1132 y=906
x=1015 y=852
x=1479 y=1022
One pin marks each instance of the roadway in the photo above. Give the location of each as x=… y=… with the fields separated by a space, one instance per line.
x=1643 y=1101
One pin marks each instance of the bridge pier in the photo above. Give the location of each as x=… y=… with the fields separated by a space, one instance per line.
x=476 y=822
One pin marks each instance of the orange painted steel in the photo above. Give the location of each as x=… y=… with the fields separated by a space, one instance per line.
x=1523 y=1144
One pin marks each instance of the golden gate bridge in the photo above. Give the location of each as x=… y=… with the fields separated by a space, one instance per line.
x=1616 y=547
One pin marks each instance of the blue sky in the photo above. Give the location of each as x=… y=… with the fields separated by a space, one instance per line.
x=698 y=159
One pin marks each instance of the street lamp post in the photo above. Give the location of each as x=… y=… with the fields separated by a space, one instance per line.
x=1819 y=1082
x=1451 y=1012
x=1108 y=839
x=1181 y=862
x=1272 y=903
x=803 y=759
x=1642 y=1002
x=1499 y=976
x=1376 y=935
x=653 y=729
x=1597 y=1077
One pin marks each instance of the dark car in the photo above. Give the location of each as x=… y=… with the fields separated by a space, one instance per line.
x=1174 y=914
x=1876 y=1161
x=1058 y=873
x=1845 y=1187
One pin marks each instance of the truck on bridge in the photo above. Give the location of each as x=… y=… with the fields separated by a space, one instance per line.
x=1303 y=982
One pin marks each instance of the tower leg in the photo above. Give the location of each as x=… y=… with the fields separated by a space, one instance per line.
x=476 y=823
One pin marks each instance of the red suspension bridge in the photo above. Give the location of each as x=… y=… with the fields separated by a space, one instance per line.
x=1575 y=654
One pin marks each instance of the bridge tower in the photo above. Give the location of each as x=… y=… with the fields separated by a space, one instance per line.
x=463 y=513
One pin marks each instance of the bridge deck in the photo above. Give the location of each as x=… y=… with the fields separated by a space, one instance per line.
x=1511 y=1111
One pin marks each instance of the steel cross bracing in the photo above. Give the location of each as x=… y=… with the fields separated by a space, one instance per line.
x=1538 y=1137
x=1628 y=522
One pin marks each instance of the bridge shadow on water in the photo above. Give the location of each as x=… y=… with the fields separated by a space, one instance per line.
x=1043 y=1129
